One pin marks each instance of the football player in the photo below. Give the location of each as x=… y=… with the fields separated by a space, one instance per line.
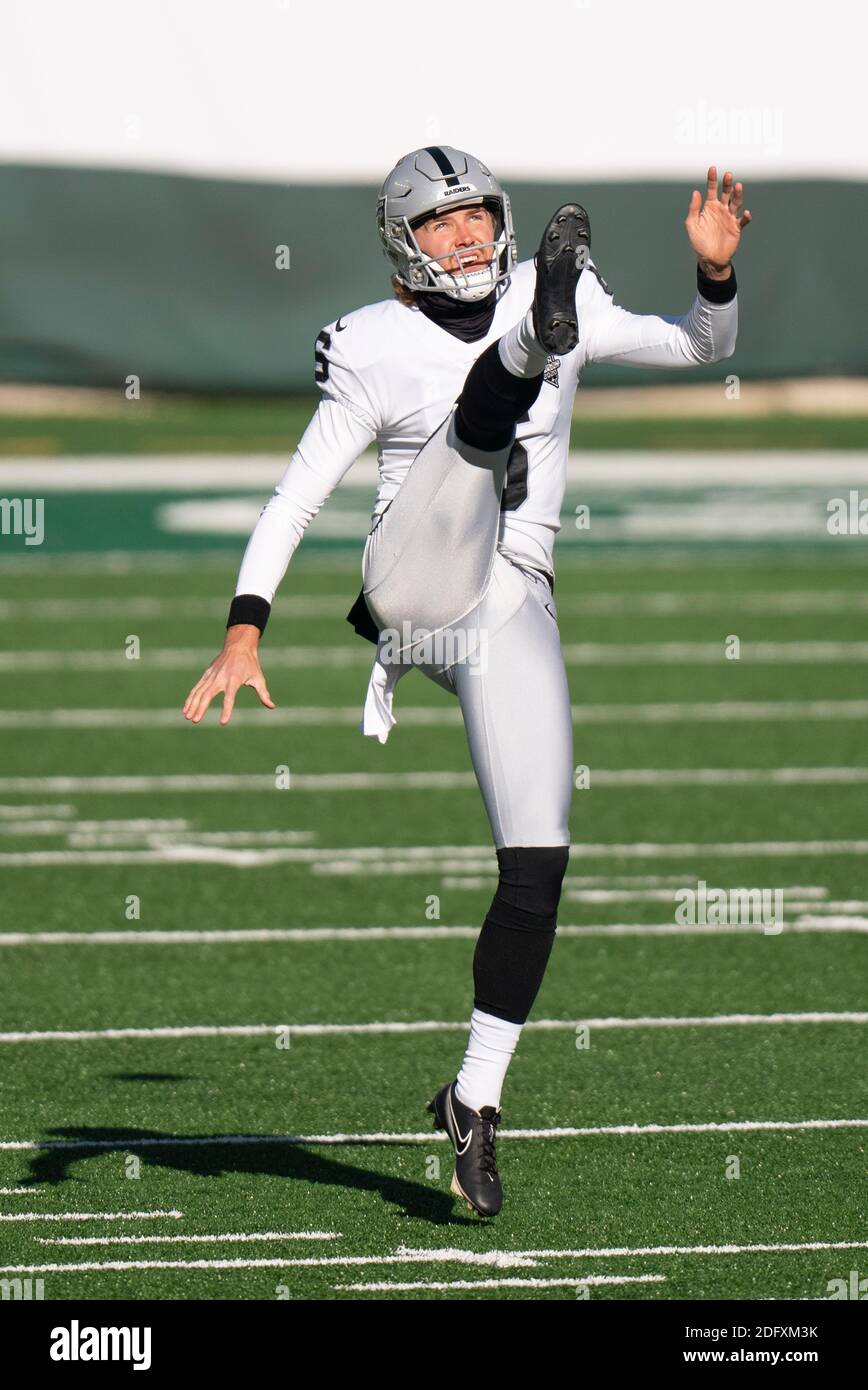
x=465 y=379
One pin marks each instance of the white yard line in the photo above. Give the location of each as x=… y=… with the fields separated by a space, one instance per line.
x=222 y=1237
x=90 y=1215
x=242 y=936
x=423 y=855
x=238 y=936
x=441 y=1286
x=328 y=716
x=724 y=849
x=124 y=830
x=334 y=605
x=727 y=711
x=805 y=923
x=667 y=895
x=845 y=922
x=663 y=603
x=727 y=776
x=201 y=472
x=220 y=561
x=430 y=859
x=346 y=655
x=433 y=780
x=653 y=557
x=60 y=609
x=108 y=834
x=428 y=1136
x=831 y=908
x=639 y=1251
x=325 y=715
x=211 y=782
x=178 y=658
x=499 y=1259
x=709 y=653
x=278 y=1263
x=83 y=838
x=383 y=1028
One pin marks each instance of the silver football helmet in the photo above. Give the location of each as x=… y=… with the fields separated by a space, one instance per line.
x=429 y=181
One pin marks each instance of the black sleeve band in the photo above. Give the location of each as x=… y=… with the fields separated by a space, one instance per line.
x=249 y=608
x=717 y=291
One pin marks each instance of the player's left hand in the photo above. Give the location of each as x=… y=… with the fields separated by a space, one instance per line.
x=715 y=226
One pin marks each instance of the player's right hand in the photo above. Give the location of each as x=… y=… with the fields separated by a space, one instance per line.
x=237 y=665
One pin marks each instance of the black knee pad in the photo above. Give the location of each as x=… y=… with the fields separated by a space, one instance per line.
x=492 y=401
x=529 y=886
x=517 y=936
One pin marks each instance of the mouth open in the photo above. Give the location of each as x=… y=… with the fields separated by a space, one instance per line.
x=469 y=260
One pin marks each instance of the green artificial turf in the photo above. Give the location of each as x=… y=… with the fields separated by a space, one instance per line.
x=92 y=1103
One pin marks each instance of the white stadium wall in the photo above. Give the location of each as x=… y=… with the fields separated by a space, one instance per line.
x=152 y=159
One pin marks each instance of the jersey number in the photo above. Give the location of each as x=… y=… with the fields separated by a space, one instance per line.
x=321 y=362
x=515 y=484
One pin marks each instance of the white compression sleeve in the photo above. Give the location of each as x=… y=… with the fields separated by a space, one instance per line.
x=706 y=333
x=329 y=447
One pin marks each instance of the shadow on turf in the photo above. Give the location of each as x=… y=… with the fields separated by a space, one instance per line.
x=290 y=1160
x=150 y=1076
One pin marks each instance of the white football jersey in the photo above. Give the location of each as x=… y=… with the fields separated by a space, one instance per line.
x=388 y=373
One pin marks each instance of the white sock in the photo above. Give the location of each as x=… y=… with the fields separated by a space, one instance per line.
x=489 y=1053
x=519 y=350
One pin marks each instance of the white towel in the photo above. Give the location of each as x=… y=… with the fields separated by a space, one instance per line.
x=378 y=719
x=506 y=590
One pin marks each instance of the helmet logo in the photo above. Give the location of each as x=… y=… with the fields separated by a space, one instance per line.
x=462 y=188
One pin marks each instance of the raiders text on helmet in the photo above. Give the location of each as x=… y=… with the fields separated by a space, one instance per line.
x=429 y=181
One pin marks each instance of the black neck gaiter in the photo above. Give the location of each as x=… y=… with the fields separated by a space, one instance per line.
x=469 y=322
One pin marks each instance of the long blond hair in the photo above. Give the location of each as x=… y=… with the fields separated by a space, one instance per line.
x=402 y=294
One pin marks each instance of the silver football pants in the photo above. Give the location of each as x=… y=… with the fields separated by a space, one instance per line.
x=448 y=602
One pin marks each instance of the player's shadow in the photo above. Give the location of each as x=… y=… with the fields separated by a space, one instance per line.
x=254 y=1154
x=150 y=1076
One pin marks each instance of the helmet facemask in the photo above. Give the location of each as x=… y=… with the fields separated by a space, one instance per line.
x=423 y=184
x=468 y=284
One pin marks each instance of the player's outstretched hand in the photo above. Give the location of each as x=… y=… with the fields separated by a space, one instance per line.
x=714 y=228
x=237 y=665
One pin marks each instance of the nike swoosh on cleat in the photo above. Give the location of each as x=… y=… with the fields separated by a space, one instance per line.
x=463 y=1138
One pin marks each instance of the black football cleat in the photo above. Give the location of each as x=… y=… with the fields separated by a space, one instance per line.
x=473 y=1137
x=560 y=261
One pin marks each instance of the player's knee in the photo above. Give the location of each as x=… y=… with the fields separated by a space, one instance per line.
x=529 y=886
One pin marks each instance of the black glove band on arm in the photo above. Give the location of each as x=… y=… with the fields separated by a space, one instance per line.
x=249 y=608
x=716 y=291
